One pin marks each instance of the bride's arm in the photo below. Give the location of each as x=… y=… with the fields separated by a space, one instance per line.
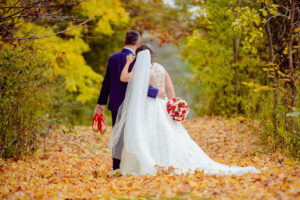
x=169 y=86
x=125 y=75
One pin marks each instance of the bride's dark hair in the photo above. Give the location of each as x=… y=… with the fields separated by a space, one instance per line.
x=144 y=47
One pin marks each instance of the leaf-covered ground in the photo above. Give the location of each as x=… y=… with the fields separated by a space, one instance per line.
x=76 y=167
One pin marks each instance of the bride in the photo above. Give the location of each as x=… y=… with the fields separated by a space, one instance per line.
x=149 y=135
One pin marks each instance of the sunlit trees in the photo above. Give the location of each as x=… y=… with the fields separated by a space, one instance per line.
x=247 y=62
x=51 y=36
x=244 y=55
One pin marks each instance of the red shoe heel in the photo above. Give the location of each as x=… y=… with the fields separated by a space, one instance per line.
x=95 y=122
x=102 y=123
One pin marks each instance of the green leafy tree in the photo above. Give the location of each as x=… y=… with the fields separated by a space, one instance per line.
x=244 y=60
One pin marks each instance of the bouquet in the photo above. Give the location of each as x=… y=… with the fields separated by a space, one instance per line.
x=178 y=109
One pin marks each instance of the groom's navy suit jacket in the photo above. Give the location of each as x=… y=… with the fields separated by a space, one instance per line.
x=112 y=86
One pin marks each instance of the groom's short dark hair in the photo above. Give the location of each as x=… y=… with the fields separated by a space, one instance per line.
x=132 y=37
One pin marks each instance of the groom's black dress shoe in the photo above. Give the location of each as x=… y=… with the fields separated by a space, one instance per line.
x=116 y=163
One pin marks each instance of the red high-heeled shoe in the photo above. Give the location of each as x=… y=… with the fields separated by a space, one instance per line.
x=102 y=124
x=95 y=125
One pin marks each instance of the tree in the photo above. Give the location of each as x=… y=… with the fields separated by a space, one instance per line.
x=265 y=42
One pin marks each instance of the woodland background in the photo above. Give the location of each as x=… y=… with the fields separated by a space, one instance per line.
x=233 y=58
x=236 y=63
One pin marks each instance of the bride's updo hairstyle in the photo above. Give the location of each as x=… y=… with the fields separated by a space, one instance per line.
x=145 y=47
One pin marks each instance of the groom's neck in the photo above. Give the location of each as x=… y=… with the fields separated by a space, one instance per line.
x=133 y=47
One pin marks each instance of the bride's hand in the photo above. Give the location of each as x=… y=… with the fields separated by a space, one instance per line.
x=130 y=58
x=161 y=93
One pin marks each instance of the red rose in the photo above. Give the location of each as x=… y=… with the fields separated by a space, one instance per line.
x=177 y=109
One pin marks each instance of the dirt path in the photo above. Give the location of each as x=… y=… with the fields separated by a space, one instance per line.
x=77 y=164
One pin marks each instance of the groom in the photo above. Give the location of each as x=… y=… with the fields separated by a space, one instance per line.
x=115 y=89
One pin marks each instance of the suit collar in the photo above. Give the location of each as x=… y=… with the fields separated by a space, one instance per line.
x=125 y=49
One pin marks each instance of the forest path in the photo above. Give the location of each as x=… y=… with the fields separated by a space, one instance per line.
x=76 y=166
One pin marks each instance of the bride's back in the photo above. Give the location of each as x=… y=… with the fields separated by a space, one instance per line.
x=157 y=76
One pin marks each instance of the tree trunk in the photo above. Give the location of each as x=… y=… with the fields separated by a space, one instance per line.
x=236 y=44
x=274 y=79
x=290 y=55
x=297 y=60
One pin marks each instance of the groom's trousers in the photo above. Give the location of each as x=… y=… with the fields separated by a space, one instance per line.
x=116 y=162
x=114 y=117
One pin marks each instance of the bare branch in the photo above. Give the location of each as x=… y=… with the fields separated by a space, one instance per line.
x=51 y=5
x=59 y=32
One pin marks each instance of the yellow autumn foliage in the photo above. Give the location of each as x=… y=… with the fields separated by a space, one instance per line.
x=257 y=87
x=65 y=54
x=105 y=13
x=66 y=59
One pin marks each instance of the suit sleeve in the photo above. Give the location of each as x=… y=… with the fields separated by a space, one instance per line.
x=152 y=91
x=104 y=93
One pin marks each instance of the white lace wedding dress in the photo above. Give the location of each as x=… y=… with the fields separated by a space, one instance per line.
x=153 y=138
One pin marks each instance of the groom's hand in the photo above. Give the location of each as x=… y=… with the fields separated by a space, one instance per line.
x=161 y=93
x=99 y=109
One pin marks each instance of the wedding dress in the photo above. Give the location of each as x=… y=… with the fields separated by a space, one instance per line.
x=151 y=137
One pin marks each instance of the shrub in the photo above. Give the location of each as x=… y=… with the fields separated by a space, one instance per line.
x=25 y=89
